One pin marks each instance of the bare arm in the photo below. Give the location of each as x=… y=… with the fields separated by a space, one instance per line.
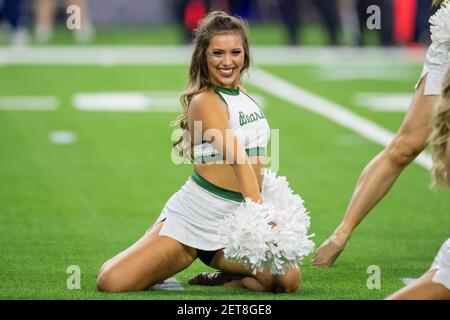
x=212 y=112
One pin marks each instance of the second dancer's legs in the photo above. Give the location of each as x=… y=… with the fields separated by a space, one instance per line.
x=380 y=174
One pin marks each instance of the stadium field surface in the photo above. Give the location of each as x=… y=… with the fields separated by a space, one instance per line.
x=85 y=167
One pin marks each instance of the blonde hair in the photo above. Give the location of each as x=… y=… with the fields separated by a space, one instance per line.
x=214 y=23
x=437 y=3
x=440 y=124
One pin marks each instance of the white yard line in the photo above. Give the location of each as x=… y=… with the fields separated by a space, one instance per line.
x=383 y=101
x=385 y=73
x=328 y=109
x=128 y=101
x=180 y=55
x=63 y=137
x=34 y=103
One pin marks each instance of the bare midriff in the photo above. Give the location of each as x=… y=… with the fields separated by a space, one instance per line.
x=222 y=175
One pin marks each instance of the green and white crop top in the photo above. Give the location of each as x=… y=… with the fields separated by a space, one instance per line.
x=247 y=122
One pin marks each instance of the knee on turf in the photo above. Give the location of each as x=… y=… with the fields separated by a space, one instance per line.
x=108 y=279
x=286 y=283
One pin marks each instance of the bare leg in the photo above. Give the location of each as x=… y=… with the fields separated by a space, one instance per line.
x=422 y=289
x=262 y=281
x=45 y=12
x=380 y=174
x=150 y=260
x=45 y=16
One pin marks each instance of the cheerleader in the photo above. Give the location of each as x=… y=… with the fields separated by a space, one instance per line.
x=435 y=284
x=410 y=140
x=221 y=214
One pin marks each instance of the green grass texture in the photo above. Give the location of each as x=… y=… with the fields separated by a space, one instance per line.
x=82 y=203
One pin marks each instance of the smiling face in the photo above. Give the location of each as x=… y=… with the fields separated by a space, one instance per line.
x=225 y=58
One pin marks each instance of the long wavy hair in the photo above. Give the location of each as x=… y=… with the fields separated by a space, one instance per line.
x=440 y=124
x=437 y=3
x=216 y=22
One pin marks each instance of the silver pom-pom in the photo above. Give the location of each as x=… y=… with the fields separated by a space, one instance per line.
x=249 y=237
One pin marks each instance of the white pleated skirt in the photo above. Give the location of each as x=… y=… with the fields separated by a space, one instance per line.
x=193 y=214
x=442 y=264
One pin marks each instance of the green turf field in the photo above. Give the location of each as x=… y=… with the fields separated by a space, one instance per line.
x=81 y=203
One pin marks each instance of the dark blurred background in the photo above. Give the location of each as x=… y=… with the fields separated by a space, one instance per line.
x=272 y=22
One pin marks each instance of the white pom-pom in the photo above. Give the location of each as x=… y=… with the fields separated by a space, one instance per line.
x=439 y=51
x=249 y=238
x=440 y=24
x=246 y=235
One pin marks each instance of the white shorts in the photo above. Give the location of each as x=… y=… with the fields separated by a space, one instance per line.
x=435 y=71
x=194 y=213
x=442 y=264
